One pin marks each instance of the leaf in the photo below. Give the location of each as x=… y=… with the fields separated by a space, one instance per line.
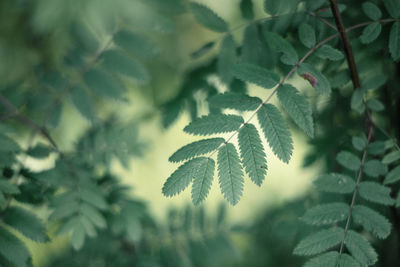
x=276 y=131
x=371 y=10
x=357 y=100
x=394 y=41
x=26 y=223
x=348 y=160
x=377 y=148
x=328 y=52
x=237 y=101
x=375 y=168
x=393 y=8
x=315 y=77
x=326 y=214
x=196 y=149
x=104 y=84
x=370 y=33
x=39 y=151
x=279 y=44
x=348 y=261
x=360 y=248
x=202 y=50
x=254 y=74
x=230 y=174
x=252 y=153
x=298 y=108
x=328 y=259
x=82 y=102
x=202 y=181
x=394 y=175
x=372 y=221
x=307 y=35
x=93 y=215
x=12 y=249
x=375 y=105
x=181 y=178
x=208 y=18
x=359 y=143
x=252 y=46
x=226 y=59
x=94 y=198
x=373 y=82
x=335 y=183
x=271 y=6
x=319 y=241
x=135 y=43
x=391 y=157
x=375 y=192
x=115 y=61
x=214 y=123
x=7 y=144
x=247 y=9
x=8 y=188
x=78 y=237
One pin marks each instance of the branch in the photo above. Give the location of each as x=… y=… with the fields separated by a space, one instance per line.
x=346 y=43
x=26 y=121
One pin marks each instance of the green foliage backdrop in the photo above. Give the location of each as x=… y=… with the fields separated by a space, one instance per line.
x=94 y=56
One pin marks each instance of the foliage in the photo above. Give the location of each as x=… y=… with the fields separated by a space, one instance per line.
x=93 y=56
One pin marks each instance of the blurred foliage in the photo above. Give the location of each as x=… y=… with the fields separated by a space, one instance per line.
x=99 y=56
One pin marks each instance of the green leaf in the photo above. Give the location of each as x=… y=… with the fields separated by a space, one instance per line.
x=393 y=8
x=202 y=50
x=298 y=108
x=39 y=151
x=78 y=237
x=314 y=4
x=348 y=261
x=326 y=214
x=93 y=215
x=135 y=43
x=375 y=105
x=214 y=123
x=376 y=148
x=328 y=259
x=348 y=160
x=116 y=61
x=82 y=102
x=252 y=153
x=335 y=183
x=196 y=149
x=276 y=131
x=104 y=84
x=394 y=175
x=7 y=144
x=357 y=100
x=254 y=74
x=26 y=223
x=307 y=35
x=391 y=157
x=202 y=181
x=230 y=174
x=372 y=221
x=370 y=33
x=181 y=178
x=241 y=102
x=359 y=143
x=246 y=9
x=8 y=188
x=271 y=6
x=371 y=10
x=12 y=249
x=319 y=241
x=252 y=46
x=360 y=249
x=375 y=168
x=226 y=59
x=315 y=77
x=328 y=52
x=375 y=192
x=279 y=44
x=394 y=41
x=94 y=198
x=208 y=18
x=374 y=81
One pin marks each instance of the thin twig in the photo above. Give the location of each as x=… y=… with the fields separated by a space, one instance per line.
x=26 y=121
x=353 y=200
x=322 y=19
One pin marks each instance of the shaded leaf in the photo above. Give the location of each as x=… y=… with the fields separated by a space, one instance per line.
x=254 y=74
x=214 y=123
x=208 y=18
x=335 y=183
x=372 y=221
x=375 y=192
x=320 y=241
